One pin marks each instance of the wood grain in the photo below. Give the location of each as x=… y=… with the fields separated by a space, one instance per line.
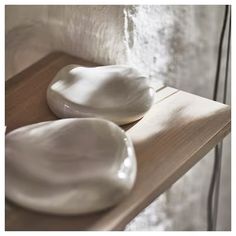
x=177 y=132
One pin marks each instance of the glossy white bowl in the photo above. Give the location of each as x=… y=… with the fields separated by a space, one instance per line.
x=69 y=166
x=118 y=93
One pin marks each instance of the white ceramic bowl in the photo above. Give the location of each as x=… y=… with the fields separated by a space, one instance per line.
x=117 y=93
x=69 y=166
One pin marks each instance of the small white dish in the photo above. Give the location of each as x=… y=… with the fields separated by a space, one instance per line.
x=69 y=166
x=118 y=93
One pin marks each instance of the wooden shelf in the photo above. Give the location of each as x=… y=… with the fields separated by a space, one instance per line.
x=176 y=133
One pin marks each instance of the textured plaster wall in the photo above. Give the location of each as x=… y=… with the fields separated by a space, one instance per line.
x=173 y=44
x=178 y=45
x=95 y=33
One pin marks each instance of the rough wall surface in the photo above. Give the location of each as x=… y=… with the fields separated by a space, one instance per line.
x=95 y=33
x=173 y=44
x=178 y=45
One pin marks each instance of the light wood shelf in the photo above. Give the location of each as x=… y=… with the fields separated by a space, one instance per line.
x=174 y=135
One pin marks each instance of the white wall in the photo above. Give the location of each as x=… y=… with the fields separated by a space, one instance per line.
x=173 y=44
x=95 y=33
